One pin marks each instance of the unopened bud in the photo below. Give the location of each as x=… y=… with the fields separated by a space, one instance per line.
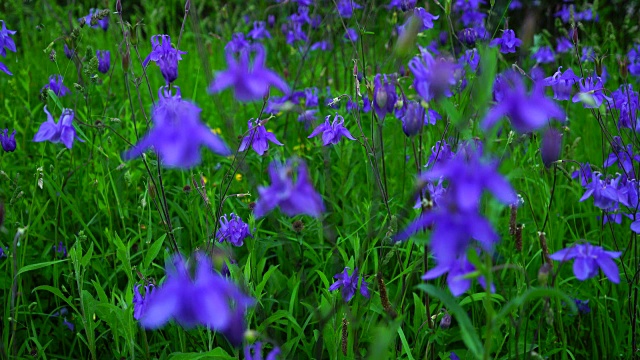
x=543 y=274
x=624 y=68
x=152 y=191
x=119 y=6
x=187 y=6
x=445 y=323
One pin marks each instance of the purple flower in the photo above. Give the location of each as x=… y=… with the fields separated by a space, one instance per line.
x=604 y=192
x=349 y=284
x=68 y=324
x=583 y=306
x=104 y=61
x=311 y=97
x=564 y=45
x=259 y=31
x=551 y=147
x=332 y=132
x=293 y=199
x=63 y=131
x=508 y=42
x=425 y=17
x=321 y=45
x=385 y=96
x=250 y=82
x=165 y=56
x=307 y=117
x=351 y=34
x=591 y=94
x=544 y=55
x=441 y=152
x=139 y=301
x=403 y=5
x=413 y=119
x=234 y=230
x=623 y=156
x=561 y=83
x=527 y=112
x=56 y=85
x=2 y=253
x=468 y=36
x=68 y=52
x=254 y=352
x=8 y=142
x=584 y=173
x=177 y=133
x=258 y=137
x=97 y=23
x=457 y=270
x=6 y=42
x=433 y=78
x=237 y=43
x=61 y=250
x=588 y=259
x=346 y=7
x=208 y=299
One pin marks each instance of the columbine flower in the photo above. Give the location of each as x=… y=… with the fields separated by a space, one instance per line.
x=332 y=132
x=2 y=253
x=237 y=43
x=457 y=270
x=98 y=22
x=351 y=35
x=591 y=94
x=139 y=301
x=583 y=306
x=346 y=7
x=527 y=112
x=413 y=119
x=165 y=56
x=588 y=259
x=68 y=52
x=56 y=85
x=104 y=60
x=561 y=83
x=403 y=5
x=254 y=352
x=425 y=17
x=208 y=299
x=293 y=199
x=551 y=146
x=177 y=133
x=349 y=284
x=258 y=137
x=6 y=42
x=563 y=45
x=433 y=78
x=8 y=142
x=259 y=31
x=385 y=96
x=508 y=42
x=63 y=131
x=250 y=81
x=544 y=55
x=61 y=250
x=234 y=230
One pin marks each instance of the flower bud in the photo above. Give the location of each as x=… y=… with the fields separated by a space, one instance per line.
x=445 y=322
x=543 y=274
x=413 y=120
x=551 y=147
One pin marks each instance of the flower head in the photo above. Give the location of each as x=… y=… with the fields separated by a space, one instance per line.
x=63 y=131
x=68 y=52
x=8 y=142
x=508 y=42
x=349 y=284
x=456 y=280
x=543 y=55
x=293 y=199
x=259 y=31
x=177 y=133
x=165 y=56
x=234 y=230
x=104 y=60
x=258 y=138
x=346 y=7
x=332 y=132
x=249 y=81
x=551 y=146
x=61 y=250
x=254 y=352
x=591 y=92
x=6 y=42
x=527 y=112
x=433 y=78
x=561 y=83
x=56 y=85
x=208 y=299
x=588 y=259
x=385 y=96
x=139 y=301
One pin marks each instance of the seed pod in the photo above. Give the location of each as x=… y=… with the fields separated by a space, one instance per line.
x=345 y=336
x=545 y=249
x=518 y=236
x=384 y=297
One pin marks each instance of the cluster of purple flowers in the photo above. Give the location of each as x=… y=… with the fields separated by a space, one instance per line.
x=349 y=284
x=6 y=42
x=165 y=55
x=234 y=231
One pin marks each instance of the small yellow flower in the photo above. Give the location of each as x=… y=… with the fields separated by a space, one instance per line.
x=238 y=177
x=216 y=131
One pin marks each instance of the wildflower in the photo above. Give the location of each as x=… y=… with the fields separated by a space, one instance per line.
x=385 y=96
x=207 y=299
x=96 y=20
x=604 y=192
x=250 y=82
x=68 y=324
x=622 y=155
x=456 y=281
x=561 y=83
x=564 y=45
x=258 y=137
x=551 y=146
x=508 y=42
x=56 y=85
x=61 y=250
x=293 y=199
x=2 y=253
x=311 y=97
x=468 y=36
x=543 y=55
x=591 y=94
x=104 y=60
x=445 y=322
x=588 y=259
x=68 y=52
x=425 y=17
x=165 y=56
x=332 y=132
x=234 y=230
x=527 y=112
x=583 y=306
x=8 y=142
x=178 y=132
x=346 y=7
x=254 y=352
x=237 y=43
x=413 y=119
x=349 y=284
x=351 y=35
x=139 y=301
x=6 y=42
x=259 y=31
x=307 y=117
x=403 y=5
x=584 y=173
x=321 y=45
x=441 y=152
x=63 y=131
x=433 y=78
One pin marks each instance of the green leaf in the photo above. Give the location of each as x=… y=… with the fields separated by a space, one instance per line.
x=153 y=251
x=217 y=353
x=531 y=294
x=467 y=331
x=56 y=292
x=37 y=266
